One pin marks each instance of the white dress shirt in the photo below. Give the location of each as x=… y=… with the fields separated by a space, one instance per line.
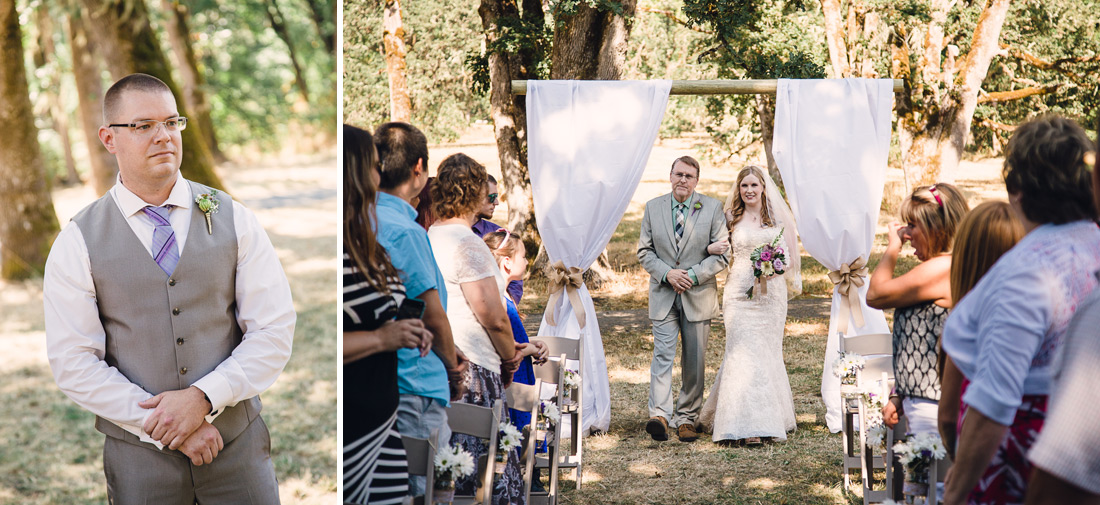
x=76 y=341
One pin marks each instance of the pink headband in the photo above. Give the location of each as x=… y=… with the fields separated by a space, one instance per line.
x=505 y=241
x=935 y=195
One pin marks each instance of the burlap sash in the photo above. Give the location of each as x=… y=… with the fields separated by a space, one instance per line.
x=848 y=280
x=568 y=280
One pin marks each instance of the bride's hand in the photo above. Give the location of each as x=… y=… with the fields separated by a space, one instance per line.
x=719 y=247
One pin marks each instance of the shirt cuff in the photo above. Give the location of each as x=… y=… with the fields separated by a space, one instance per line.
x=140 y=433
x=217 y=389
x=989 y=404
x=694 y=279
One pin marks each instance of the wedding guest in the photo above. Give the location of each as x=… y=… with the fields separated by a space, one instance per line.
x=484 y=226
x=375 y=468
x=424 y=215
x=1067 y=454
x=425 y=382
x=984 y=235
x=511 y=257
x=479 y=321
x=1005 y=334
x=920 y=298
x=168 y=334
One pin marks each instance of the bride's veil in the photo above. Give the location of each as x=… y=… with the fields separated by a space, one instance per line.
x=783 y=217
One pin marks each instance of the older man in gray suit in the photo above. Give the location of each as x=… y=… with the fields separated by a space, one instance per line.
x=676 y=230
x=167 y=319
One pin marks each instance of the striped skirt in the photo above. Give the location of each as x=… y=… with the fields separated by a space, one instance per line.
x=375 y=468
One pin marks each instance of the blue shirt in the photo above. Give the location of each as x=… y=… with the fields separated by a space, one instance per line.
x=411 y=254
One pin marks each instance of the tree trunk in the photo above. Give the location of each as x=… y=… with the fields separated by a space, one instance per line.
x=324 y=29
x=278 y=23
x=591 y=44
x=133 y=47
x=89 y=91
x=765 y=110
x=834 y=37
x=28 y=223
x=45 y=57
x=393 y=39
x=939 y=137
x=194 y=84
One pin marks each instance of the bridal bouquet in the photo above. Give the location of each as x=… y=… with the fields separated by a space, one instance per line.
x=767 y=260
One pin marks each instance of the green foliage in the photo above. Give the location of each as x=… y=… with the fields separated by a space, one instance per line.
x=562 y=9
x=251 y=85
x=515 y=36
x=439 y=36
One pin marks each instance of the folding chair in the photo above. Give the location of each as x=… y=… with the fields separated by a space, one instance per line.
x=877 y=349
x=552 y=374
x=878 y=370
x=483 y=423
x=526 y=398
x=421 y=457
x=573 y=405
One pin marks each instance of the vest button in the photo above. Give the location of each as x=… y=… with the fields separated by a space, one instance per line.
x=179 y=341
x=176 y=311
x=171 y=282
x=183 y=371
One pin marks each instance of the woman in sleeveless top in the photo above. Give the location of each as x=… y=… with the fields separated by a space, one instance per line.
x=920 y=299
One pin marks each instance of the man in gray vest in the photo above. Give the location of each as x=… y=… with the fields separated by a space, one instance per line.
x=167 y=314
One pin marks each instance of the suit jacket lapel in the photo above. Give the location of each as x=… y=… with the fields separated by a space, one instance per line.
x=665 y=215
x=692 y=216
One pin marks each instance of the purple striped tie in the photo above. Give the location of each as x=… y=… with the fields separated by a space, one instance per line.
x=165 y=250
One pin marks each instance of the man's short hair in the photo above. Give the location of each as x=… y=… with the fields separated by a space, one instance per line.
x=133 y=82
x=687 y=160
x=492 y=180
x=1045 y=163
x=399 y=145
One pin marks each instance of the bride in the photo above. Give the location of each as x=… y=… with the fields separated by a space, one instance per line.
x=751 y=398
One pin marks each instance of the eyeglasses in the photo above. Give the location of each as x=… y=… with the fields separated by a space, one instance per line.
x=493 y=197
x=176 y=124
x=680 y=175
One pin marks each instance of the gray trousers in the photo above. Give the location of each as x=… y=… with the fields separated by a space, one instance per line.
x=694 y=335
x=417 y=416
x=241 y=474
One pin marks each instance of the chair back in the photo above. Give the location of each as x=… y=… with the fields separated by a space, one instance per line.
x=421 y=459
x=523 y=397
x=570 y=347
x=871 y=343
x=484 y=423
x=551 y=371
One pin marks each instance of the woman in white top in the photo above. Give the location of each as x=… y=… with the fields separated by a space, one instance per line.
x=1005 y=333
x=479 y=321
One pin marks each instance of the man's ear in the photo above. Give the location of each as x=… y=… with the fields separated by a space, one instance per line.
x=419 y=167
x=107 y=137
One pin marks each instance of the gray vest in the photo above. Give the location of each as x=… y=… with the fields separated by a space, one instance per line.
x=166 y=333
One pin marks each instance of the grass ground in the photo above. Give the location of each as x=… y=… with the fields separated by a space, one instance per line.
x=50 y=453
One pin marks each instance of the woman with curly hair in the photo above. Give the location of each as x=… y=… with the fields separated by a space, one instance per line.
x=479 y=321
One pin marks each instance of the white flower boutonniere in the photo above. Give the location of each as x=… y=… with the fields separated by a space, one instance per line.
x=208 y=204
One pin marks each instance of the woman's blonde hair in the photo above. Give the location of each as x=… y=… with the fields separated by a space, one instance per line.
x=936 y=210
x=986 y=233
x=503 y=243
x=734 y=202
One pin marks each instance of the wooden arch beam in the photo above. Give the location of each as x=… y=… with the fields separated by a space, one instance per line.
x=714 y=87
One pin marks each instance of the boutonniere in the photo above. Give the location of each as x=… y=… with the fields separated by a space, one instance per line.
x=695 y=208
x=208 y=204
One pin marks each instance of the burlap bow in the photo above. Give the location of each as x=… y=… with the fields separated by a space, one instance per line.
x=848 y=280
x=567 y=279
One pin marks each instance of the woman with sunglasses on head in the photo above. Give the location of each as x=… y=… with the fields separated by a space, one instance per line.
x=920 y=299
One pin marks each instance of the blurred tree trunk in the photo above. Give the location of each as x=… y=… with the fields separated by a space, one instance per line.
x=591 y=43
x=765 y=110
x=45 y=59
x=28 y=223
x=509 y=112
x=937 y=106
x=393 y=39
x=194 y=84
x=133 y=47
x=325 y=30
x=89 y=90
x=278 y=23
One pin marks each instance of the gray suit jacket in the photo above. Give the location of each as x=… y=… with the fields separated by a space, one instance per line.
x=657 y=252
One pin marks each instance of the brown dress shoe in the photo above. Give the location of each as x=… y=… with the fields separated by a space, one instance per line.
x=753 y=441
x=657 y=428
x=687 y=432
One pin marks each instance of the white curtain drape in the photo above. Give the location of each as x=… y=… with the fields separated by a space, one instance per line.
x=831 y=142
x=588 y=144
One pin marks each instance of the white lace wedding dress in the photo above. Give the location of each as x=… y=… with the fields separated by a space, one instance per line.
x=752 y=395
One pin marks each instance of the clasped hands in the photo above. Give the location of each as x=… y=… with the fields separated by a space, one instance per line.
x=179 y=422
x=536 y=349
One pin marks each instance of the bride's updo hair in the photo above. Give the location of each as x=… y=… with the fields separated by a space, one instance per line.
x=734 y=202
